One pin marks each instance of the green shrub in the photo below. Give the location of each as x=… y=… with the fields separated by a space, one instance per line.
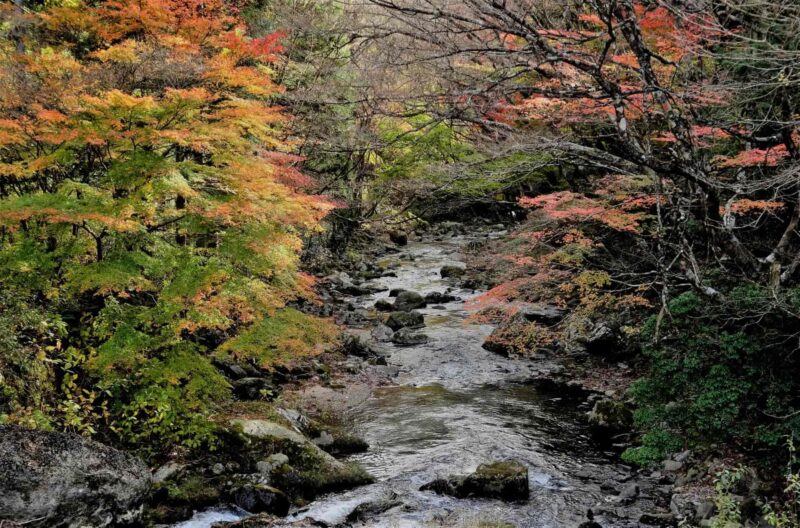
x=719 y=372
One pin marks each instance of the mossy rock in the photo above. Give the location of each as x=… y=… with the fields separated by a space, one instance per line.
x=384 y=305
x=259 y=498
x=398 y=320
x=310 y=471
x=610 y=415
x=506 y=481
x=175 y=500
x=501 y=480
x=334 y=439
x=408 y=300
x=452 y=272
x=312 y=475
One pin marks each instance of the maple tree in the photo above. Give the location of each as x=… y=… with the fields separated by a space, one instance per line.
x=667 y=137
x=619 y=87
x=150 y=207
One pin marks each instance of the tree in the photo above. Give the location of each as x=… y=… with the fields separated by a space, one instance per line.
x=621 y=87
x=673 y=127
x=151 y=205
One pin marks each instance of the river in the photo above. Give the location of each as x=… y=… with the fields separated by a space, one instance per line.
x=454 y=406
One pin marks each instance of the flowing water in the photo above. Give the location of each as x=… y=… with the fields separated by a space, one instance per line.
x=455 y=406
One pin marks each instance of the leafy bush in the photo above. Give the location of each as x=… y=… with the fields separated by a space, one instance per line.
x=29 y=340
x=718 y=372
x=782 y=512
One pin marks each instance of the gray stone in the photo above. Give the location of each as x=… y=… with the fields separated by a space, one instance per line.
x=672 y=466
x=273 y=462
x=262 y=499
x=167 y=471
x=311 y=470
x=629 y=492
x=343 y=283
x=683 y=506
x=374 y=507
x=585 y=335
x=382 y=333
x=399 y=238
x=353 y=345
x=250 y=389
x=658 y=519
x=705 y=510
x=324 y=439
x=266 y=430
x=398 y=320
x=409 y=337
x=499 y=480
x=547 y=314
x=340 y=280
x=408 y=300
x=384 y=305
x=610 y=487
x=610 y=415
x=50 y=479
x=299 y=421
x=439 y=298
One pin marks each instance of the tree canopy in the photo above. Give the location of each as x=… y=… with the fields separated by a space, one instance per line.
x=151 y=212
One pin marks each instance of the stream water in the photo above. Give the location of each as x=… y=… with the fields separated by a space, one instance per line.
x=455 y=406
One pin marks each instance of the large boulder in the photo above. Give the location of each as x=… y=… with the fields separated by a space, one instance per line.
x=408 y=300
x=310 y=471
x=507 y=481
x=60 y=480
x=330 y=437
x=398 y=320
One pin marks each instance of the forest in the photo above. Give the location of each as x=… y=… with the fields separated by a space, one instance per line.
x=389 y=263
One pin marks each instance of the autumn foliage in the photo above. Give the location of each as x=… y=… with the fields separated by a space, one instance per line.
x=654 y=146
x=151 y=213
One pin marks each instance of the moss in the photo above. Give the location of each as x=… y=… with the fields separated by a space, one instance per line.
x=611 y=414
x=193 y=489
x=174 y=501
x=312 y=472
x=260 y=409
x=500 y=470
